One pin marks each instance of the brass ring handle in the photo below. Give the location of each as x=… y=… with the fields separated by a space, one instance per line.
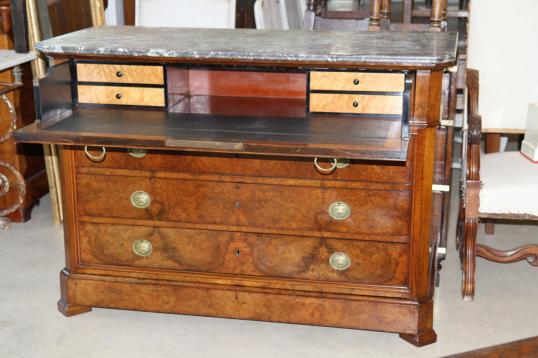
x=137 y=152
x=328 y=170
x=95 y=158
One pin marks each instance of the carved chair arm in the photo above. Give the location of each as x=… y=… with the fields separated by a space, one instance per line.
x=474 y=126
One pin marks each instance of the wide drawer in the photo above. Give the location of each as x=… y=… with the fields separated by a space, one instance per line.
x=357 y=81
x=245 y=254
x=116 y=73
x=303 y=210
x=356 y=103
x=120 y=95
x=243 y=165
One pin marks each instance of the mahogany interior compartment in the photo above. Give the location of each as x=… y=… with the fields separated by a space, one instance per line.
x=236 y=92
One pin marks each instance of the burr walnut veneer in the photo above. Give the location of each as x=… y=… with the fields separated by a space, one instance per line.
x=267 y=175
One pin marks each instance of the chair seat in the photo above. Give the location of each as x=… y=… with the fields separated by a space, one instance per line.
x=509 y=184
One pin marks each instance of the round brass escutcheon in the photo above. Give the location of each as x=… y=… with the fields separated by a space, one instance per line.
x=118 y=95
x=356 y=81
x=142 y=248
x=342 y=163
x=119 y=74
x=95 y=158
x=137 y=152
x=340 y=261
x=355 y=104
x=339 y=210
x=140 y=199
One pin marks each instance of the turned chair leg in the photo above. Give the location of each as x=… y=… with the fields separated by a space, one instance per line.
x=469 y=259
x=490 y=228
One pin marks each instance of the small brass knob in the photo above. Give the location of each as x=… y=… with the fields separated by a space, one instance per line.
x=356 y=82
x=118 y=95
x=140 y=199
x=142 y=248
x=95 y=158
x=339 y=210
x=137 y=152
x=340 y=261
x=119 y=74
x=355 y=104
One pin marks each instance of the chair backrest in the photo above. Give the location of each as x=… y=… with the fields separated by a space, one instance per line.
x=505 y=54
x=293 y=13
x=185 y=13
x=270 y=15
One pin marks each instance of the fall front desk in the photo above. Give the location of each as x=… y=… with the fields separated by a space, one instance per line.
x=280 y=176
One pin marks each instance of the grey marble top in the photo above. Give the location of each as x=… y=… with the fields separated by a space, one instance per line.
x=424 y=49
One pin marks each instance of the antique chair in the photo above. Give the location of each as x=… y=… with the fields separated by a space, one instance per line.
x=491 y=190
x=503 y=107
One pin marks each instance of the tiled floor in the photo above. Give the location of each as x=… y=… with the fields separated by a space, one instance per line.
x=31 y=256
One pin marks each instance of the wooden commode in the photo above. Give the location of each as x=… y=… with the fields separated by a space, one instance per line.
x=267 y=175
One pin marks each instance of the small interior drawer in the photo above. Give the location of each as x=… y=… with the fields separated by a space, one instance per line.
x=357 y=81
x=356 y=103
x=90 y=72
x=133 y=96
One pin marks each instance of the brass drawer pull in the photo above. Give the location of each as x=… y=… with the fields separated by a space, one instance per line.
x=142 y=248
x=95 y=158
x=329 y=170
x=337 y=163
x=137 y=152
x=340 y=261
x=339 y=210
x=140 y=199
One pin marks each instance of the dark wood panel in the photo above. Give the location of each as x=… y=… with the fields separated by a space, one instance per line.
x=324 y=136
x=244 y=254
x=525 y=348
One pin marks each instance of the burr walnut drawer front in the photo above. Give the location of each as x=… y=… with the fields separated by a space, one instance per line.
x=356 y=103
x=117 y=73
x=121 y=95
x=222 y=252
x=369 y=214
x=242 y=165
x=356 y=81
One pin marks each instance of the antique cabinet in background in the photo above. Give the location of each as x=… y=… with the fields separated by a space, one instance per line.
x=25 y=158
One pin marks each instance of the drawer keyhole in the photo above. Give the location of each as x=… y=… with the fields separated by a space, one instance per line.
x=355 y=104
x=237 y=252
x=356 y=82
x=119 y=74
x=118 y=95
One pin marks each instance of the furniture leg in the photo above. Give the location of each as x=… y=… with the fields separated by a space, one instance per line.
x=469 y=259
x=375 y=16
x=420 y=339
x=64 y=306
x=493 y=142
x=407 y=10
x=525 y=252
x=489 y=228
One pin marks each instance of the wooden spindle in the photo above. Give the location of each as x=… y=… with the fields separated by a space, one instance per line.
x=386 y=10
x=437 y=15
x=375 y=15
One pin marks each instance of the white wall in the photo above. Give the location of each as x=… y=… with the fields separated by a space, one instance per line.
x=503 y=46
x=114 y=13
